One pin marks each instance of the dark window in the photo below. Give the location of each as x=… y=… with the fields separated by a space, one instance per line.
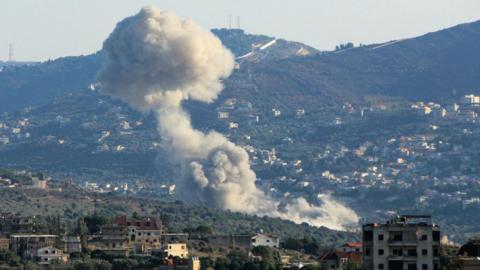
x=412 y=252
x=424 y=252
x=436 y=236
x=397 y=252
x=424 y=237
x=367 y=236
x=424 y=266
x=367 y=252
x=412 y=266
x=380 y=237
x=435 y=266
x=435 y=251
x=380 y=252
x=381 y=266
x=397 y=236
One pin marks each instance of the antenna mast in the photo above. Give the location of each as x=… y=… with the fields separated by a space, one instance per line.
x=238 y=22
x=11 y=53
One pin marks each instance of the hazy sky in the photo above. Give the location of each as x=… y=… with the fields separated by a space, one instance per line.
x=47 y=29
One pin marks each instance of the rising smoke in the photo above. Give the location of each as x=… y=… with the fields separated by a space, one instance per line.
x=157 y=60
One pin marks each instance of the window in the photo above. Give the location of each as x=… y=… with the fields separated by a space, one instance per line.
x=381 y=266
x=412 y=266
x=397 y=252
x=397 y=236
x=424 y=237
x=380 y=237
x=333 y=266
x=424 y=252
x=367 y=252
x=435 y=251
x=436 y=236
x=380 y=252
x=412 y=252
x=424 y=266
x=367 y=236
x=435 y=266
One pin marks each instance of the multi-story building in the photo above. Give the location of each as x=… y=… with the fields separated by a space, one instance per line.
x=72 y=244
x=49 y=255
x=409 y=242
x=136 y=234
x=15 y=224
x=27 y=245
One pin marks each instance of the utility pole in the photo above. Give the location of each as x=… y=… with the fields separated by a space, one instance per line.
x=238 y=22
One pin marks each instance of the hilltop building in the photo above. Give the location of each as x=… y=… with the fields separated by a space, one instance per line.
x=408 y=242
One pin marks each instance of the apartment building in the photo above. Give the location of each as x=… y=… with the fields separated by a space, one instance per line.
x=408 y=242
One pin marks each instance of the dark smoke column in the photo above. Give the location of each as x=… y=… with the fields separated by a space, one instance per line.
x=156 y=60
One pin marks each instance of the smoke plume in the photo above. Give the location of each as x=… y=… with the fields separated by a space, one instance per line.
x=157 y=60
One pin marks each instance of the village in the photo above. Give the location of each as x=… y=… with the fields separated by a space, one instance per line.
x=410 y=240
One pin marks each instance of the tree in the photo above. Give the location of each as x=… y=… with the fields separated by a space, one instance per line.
x=83 y=232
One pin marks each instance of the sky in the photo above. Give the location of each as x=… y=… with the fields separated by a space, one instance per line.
x=47 y=29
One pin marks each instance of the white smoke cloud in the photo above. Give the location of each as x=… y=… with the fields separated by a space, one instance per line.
x=156 y=60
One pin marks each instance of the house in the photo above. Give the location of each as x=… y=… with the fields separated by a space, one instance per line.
x=72 y=244
x=26 y=245
x=15 y=224
x=330 y=261
x=4 y=243
x=176 y=250
x=351 y=247
x=181 y=264
x=265 y=240
x=48 y=255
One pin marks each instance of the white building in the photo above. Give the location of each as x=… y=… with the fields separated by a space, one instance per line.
x=48 y=255
x=471 y=99
x=265 y=241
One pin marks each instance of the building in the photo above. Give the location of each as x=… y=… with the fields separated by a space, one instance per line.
x=140 y=235
x=27 y=245
x=72 y=244
x=339 y=260
x=181 y=264
x=4 y=243
x=265 y=240
x=48 y=255
x=39 y=182
x=408 y=242
x=176 y=250
x=351 y=247
x=471 y=100
x=15 y=224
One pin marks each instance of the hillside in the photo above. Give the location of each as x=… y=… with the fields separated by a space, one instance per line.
x=435 y=66
x=69 y=202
